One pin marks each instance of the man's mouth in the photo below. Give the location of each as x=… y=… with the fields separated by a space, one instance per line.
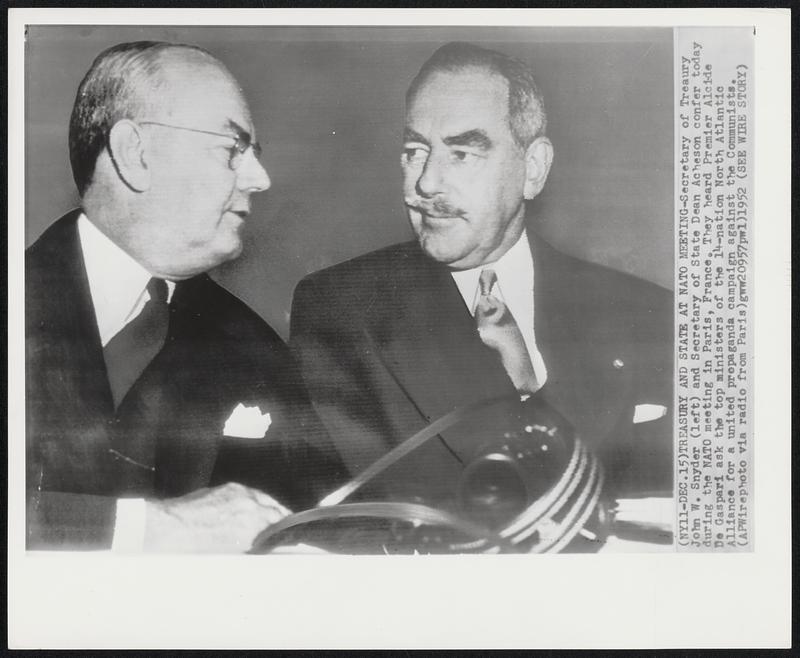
x=440 y=214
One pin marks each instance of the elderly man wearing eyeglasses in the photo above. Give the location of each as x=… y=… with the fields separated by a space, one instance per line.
x=162 y=413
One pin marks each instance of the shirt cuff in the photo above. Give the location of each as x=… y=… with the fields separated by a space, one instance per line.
x=129 y=525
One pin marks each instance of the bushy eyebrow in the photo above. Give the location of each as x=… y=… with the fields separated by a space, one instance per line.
x=473 y=138
x=411 y=135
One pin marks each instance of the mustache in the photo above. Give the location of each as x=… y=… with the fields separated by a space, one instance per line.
x=440 y=207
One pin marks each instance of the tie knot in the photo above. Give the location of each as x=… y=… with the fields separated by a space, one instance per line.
x=157 y=288
x=486 y=282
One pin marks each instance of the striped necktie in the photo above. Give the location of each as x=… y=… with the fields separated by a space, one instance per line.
x=498 y=330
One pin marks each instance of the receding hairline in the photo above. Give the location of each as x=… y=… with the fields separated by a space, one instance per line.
x=185 y=71
x=454 y=71
x=181 y=54
x=465 y=70
x=525 y=113
x=178 y=60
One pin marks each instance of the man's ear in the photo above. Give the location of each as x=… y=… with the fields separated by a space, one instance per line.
x=128 y=153
x=538 y=158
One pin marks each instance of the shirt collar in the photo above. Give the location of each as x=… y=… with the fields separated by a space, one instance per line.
x=117 y=282
x=515 y=265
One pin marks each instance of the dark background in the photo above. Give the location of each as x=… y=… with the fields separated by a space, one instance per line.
x=328 y=104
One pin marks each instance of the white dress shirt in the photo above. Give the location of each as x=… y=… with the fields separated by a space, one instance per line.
x=118 y=286
x=514 y=287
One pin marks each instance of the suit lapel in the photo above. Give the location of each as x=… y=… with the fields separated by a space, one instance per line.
x=188 y=444
x=428 y=340
x=188 y=441
x=556 y=328
x=75 y=314
x=71 y=399
x=577 y=344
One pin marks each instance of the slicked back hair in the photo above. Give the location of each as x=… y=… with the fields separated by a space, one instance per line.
x=526 y=113
x=120 y=84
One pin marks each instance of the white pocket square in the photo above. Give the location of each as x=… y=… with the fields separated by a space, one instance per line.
x=247 y=423
x=644 y=412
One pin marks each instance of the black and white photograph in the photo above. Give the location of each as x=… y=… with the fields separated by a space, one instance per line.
x=369 y=300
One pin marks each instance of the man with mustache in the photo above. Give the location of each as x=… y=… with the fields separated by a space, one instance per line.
x=160 y=408
x=480 y=306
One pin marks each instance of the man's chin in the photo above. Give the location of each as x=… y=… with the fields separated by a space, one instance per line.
x=226 y=253
x=233 y=252
x=442 y=249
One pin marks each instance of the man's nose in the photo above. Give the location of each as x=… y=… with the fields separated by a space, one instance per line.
x=431 y=179
x=252 y=176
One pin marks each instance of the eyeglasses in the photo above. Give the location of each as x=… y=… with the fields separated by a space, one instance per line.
x=241 y=141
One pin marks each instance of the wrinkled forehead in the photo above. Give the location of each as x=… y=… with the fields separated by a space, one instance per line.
x=196 y=90
x=463 y=95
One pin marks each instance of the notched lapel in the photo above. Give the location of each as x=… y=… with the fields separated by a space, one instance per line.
x=76 y=326
x=429 y=342
x=589 y=370
x=69 y=397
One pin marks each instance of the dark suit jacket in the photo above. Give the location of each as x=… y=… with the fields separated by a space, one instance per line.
x=387 y=345
x=218 y=353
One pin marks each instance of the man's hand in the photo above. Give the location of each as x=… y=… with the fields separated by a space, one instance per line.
x=225 y=519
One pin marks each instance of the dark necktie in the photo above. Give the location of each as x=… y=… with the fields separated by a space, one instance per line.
x=129 y=352
x=499 y=330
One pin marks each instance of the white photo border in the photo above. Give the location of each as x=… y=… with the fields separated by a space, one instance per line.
x=602 y=601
